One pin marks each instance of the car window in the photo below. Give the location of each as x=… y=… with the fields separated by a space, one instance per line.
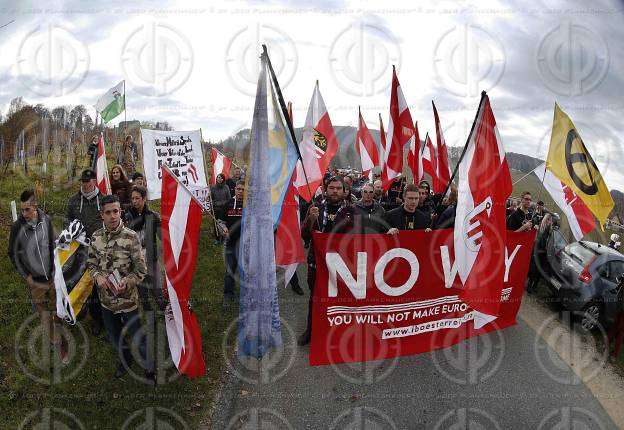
x=616 y=269
x=559 y=241
x=579 y=253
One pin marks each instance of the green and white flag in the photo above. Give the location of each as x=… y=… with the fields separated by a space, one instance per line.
x=112 y=103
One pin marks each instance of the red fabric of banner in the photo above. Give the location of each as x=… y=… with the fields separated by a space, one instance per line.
x=382 y=296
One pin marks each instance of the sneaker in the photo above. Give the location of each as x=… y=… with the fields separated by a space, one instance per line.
x=304 y=339
x=297 y=289
x=120 y=371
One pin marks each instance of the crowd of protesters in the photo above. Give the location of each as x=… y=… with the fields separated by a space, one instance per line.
x=123 y=253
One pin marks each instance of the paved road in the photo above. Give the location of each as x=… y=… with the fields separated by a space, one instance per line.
x=509 y=379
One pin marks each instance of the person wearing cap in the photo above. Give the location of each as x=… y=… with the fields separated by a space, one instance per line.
x=85 y=206
x=138 y=179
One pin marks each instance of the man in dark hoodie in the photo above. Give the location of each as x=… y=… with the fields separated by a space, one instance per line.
x=333 y=215
x=85 y=207
x=230 y=224
x=31 y=251
x=370 y=212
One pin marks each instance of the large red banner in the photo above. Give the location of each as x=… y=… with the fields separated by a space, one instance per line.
x=383 y=296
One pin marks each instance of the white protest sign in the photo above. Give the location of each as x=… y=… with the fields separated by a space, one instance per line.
x=179 y=150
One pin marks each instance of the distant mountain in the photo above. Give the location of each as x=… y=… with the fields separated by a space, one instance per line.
x=348 y=157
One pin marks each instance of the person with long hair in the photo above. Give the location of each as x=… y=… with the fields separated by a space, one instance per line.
x=120 y=185
x=539 y=258
x=221 y=197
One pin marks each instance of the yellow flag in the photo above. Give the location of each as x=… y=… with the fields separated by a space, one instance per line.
x=569 y=160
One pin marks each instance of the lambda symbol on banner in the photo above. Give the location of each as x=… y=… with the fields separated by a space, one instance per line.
x=471 y=225
x=580 y=157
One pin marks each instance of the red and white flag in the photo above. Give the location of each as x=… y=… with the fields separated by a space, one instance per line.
x=480 y=235
x=382 y=146
x=365 y=145
x=443 y=169
x=181 y=219
x=430 y=160
x=400 y=131
x=101 y=169
x=288 y=247
x=220 y=164
x=414 y=157
x=318 y=147
x=580 y=218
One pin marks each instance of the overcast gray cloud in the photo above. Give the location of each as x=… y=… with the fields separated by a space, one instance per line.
x=194 y=64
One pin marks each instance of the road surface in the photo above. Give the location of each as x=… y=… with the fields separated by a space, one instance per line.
x=510 y=379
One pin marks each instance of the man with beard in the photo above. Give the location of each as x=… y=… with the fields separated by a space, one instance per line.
x=407 y=216
x=371 y=214
x=333 y=215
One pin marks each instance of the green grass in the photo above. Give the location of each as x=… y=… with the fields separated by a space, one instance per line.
x=93 y=396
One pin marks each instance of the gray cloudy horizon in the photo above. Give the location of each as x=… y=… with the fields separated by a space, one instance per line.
x=194 y=64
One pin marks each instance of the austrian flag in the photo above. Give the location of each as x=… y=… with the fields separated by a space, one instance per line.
x=480 y=234
x=365 y=146
x=220 y=164
x=181 y=219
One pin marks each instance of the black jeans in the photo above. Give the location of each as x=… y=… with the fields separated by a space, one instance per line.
x=311 y=282
x=127 y=323
x=231 y=267
x=95 y=308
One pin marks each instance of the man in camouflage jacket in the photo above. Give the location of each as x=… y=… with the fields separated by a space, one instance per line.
x=117 y=249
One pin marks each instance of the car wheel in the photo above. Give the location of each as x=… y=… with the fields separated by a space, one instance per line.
x=590 y=316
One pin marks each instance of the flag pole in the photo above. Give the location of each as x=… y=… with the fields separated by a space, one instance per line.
x=211 y=212
x=522 y=178
x=286 y=115
x=125 y=109
x=461 y=157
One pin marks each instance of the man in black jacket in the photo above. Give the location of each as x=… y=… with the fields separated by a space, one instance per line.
x=31 y=251
x=371 y=214
x=407 y=216
x=520 y=219
x=332 y=215
x=147 y=225
x=230 y=225
x=85 y=207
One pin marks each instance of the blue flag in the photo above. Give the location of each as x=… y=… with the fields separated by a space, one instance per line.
x=272 y=158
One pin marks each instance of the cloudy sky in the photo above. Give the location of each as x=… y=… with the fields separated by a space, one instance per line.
x=196 y=64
